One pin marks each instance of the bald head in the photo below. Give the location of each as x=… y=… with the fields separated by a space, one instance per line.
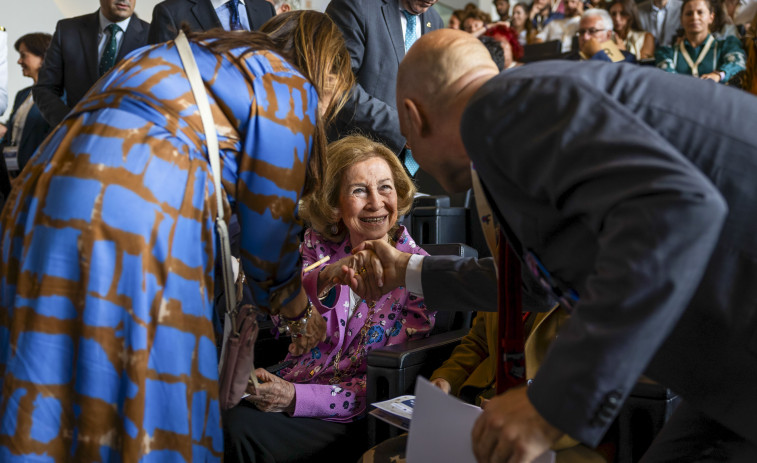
x=440 y=64
x=437 y=78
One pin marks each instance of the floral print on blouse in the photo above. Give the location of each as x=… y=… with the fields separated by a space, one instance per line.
x=321 y=391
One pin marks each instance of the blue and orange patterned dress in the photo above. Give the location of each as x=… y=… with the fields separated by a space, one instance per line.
x=107 y=347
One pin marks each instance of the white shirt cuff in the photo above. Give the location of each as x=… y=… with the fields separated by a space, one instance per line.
x=413 y=275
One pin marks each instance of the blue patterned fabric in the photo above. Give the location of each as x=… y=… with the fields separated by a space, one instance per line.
x=107 y=246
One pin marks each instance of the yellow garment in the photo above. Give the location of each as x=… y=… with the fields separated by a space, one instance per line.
x=472 y=365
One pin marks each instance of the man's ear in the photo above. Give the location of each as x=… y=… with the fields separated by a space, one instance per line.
x=285 y=8
x=416 y=118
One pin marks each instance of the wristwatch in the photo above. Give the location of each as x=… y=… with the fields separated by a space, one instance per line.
x=722 y=75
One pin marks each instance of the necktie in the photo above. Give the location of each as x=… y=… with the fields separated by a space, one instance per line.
x=234 y=23
x=511 y=367
x=410 y=38
x=111 y=48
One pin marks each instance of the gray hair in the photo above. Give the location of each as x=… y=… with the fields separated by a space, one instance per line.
x=603 y=15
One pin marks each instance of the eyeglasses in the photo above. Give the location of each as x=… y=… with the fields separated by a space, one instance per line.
x=590 y=31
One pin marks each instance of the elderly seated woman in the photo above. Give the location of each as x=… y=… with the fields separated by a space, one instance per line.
x=322 y=394
x=699 y=53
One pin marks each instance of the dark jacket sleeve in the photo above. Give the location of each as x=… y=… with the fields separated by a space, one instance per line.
x=48 y=92
x=363 y=110
x=162 y=27
x=654 y=221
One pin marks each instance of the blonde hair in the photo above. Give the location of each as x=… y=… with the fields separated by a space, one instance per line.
x=320 y=209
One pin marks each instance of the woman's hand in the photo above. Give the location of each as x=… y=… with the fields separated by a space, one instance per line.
x=273 y=394
x=315 y=332
x=442 y=384
x=711 y=76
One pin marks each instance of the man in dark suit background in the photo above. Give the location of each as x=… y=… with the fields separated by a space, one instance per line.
x=643 y=208
x=377 y=37
x=74 y=61
x=203 y=15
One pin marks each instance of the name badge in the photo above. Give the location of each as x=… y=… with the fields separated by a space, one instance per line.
x=10 y=154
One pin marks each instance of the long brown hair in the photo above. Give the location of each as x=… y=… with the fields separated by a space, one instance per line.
x=311 y=42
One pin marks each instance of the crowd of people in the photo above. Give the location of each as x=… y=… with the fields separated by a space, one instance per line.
x=709 y=39
x=110 y=282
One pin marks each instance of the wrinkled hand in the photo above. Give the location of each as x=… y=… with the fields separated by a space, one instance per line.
x=511 y=430
x=273 y=394
x=442 y=384
x=386 y=274
x=315 y=332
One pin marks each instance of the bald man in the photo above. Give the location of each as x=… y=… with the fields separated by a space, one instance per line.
x=634 y=200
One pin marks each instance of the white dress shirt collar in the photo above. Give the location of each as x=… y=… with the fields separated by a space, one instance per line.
x=219 y=3
x=105 y=22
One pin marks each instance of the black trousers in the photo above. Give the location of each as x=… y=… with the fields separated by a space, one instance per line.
x=690 y=436
x=252 y=436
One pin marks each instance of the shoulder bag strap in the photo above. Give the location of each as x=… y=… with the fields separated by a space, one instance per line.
x=201 y=98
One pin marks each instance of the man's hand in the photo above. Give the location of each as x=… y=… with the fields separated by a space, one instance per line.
x=388 y=273
x=273 y=394
x=511 y=430
x=591 y=47
x=315 y=332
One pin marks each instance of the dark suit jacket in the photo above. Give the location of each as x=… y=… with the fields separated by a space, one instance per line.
x=373 y=32
x=71 y=62
x=631 y=194
x=168 y=15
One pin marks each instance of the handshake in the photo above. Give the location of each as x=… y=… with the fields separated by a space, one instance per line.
x=374 y=268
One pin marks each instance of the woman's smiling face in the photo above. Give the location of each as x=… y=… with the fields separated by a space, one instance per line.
x=368 y=200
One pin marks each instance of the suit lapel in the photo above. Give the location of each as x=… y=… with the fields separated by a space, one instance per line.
x=254 y=13
x=131 y=38
x=88 y=38
x=205 y=14
x=425 y=23
x=391 y=12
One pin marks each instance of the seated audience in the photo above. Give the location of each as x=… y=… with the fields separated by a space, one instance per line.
x=628 y=33
x=564 y=29
x=699 y=53
x=722 y=25
x=26 y=126
x=322 y=394
x=740 y=13
x=595 y=39
x=456 y=19
x=503 y=9
x=507 y=39
x=541 y=13
x=475 y=22
x=520 y=23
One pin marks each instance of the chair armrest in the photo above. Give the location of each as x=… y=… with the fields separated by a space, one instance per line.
x=416 y=352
